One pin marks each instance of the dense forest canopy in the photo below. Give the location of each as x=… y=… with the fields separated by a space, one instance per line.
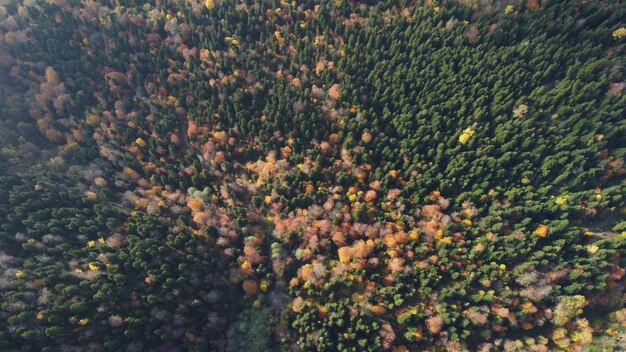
x=312 y=175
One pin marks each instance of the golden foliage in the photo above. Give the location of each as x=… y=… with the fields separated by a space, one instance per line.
x=345 y=254
x=619 y=33
x=541 y=230
x=279 y=37
x=194 y=204
x=51 y=76
x=246 y=267
x=466 y=135
x=378 y=310
x=200 y=218
x=323 y=312
x=92 y=119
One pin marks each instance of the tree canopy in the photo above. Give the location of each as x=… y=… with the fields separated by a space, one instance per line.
x=312 y=175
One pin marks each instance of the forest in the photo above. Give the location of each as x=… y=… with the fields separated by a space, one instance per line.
x=310 y=175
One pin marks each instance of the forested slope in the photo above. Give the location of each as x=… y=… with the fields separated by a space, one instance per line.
x=312 y=175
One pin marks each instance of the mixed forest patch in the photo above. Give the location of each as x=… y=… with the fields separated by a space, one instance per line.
x=312 y=175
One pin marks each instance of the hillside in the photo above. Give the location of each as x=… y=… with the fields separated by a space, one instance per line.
x=312 y=175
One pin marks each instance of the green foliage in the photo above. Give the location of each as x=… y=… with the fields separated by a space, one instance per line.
x=251 y=331
x=407 y=174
